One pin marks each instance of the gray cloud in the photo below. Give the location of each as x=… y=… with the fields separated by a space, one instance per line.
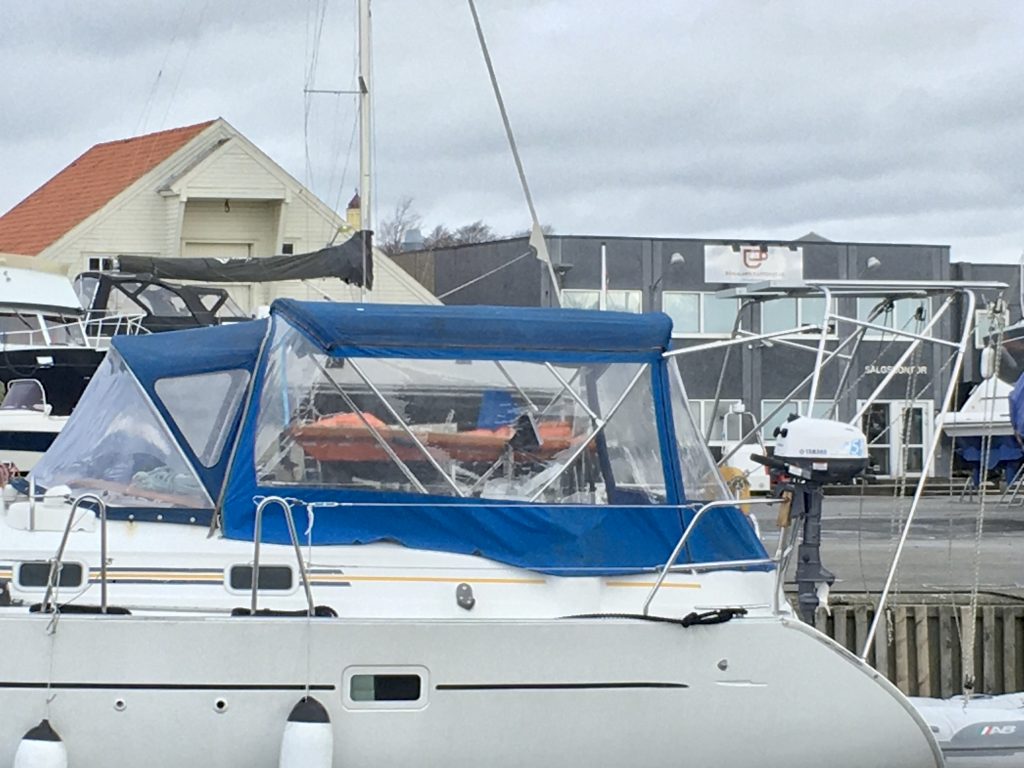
x=867 y=121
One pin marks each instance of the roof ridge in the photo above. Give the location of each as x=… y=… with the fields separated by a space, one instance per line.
x=140 y=137
x=85 y=185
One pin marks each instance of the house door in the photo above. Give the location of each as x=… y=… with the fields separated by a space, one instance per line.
x=897 y=434
x=240 y=293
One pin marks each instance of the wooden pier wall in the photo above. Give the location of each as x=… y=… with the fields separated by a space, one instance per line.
x=919 y=646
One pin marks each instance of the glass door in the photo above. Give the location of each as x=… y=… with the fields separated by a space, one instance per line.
x=897 y=434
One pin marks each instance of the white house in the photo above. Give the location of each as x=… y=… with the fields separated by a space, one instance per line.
x=199 y=190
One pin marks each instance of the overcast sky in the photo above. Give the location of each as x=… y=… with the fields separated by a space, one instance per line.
x=871 y=121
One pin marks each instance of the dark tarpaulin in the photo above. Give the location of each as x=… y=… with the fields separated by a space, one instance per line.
x=343 y=261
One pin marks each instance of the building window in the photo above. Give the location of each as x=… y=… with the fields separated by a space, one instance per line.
x=904 y=315
x=785 y=314
x=617 y=300
x=987 y=324
x=699 y=314
x=288 y=249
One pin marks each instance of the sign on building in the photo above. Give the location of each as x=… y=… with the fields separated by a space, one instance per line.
x=752 y=263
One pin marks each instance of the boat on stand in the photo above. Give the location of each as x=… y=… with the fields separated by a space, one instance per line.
x=375 y=534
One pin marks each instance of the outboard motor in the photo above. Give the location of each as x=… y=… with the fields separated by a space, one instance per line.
x=810 y=453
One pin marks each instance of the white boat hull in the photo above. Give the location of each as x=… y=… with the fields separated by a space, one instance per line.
x=201 y=691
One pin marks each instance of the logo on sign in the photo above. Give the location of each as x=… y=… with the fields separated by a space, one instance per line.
x=998 y=730
x=754 y=257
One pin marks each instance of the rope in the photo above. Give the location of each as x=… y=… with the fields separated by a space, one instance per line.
x=995 y=319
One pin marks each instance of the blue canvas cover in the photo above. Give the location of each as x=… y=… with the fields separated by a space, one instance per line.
x=474 y=331
x=157 y=357
x=558 y=538
x=1017 y=407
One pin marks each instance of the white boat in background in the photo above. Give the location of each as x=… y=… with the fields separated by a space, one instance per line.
x=28 y=425
x=985 y=412
x=503 y=535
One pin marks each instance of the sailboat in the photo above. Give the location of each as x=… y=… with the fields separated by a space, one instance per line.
x=473 y=535
x=371 y=534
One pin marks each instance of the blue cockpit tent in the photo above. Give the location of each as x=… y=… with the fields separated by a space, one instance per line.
x=377 y=423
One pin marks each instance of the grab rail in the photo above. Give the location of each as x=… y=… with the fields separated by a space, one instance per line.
x=257 y=535
x=56 y=564
x=667 y=568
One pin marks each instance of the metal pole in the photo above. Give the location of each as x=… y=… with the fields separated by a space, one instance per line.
x=365 y=135
x=405 y=428
x=906 y=354
x=601 y=424
x=822 y=340
x=930 y=457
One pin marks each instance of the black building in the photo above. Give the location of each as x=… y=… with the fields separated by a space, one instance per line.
x=682 y=277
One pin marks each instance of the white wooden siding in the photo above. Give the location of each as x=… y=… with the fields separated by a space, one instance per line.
x=267 y=207
x=234 y=173
x=246 y=221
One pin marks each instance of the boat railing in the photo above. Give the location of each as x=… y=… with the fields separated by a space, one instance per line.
x=258 y=535
x=57 y=563
x=777 y=561
x=101 y=324
x=711 y=506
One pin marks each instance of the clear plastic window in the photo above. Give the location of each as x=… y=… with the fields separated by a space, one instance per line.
x=64 y=331
x=524 y=431
x=21 y=329
x=701 y=480
x=204 y=407
x=120 y=448
x=163 y=302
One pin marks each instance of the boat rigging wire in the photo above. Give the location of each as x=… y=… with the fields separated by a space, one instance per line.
x=537 y=233
x=996 y=323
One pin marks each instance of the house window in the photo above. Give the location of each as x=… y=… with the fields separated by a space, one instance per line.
x=699 y=314
x=102 y=264
x=288 y=249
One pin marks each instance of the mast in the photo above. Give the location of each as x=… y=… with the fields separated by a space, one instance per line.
x=365 y=155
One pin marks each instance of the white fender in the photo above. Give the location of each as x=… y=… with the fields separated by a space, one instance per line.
x=41 y=747
x=308 y=740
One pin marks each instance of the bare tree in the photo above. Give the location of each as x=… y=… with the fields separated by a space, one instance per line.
x=391 y=233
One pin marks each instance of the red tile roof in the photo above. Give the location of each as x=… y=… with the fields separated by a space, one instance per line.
x=85 y=186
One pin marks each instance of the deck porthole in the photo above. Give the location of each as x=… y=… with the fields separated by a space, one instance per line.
x=276 y=578
x=36 y=575
x=120 y=705
x=220 y=706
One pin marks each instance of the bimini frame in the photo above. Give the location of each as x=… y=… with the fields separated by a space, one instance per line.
x=886 y=292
